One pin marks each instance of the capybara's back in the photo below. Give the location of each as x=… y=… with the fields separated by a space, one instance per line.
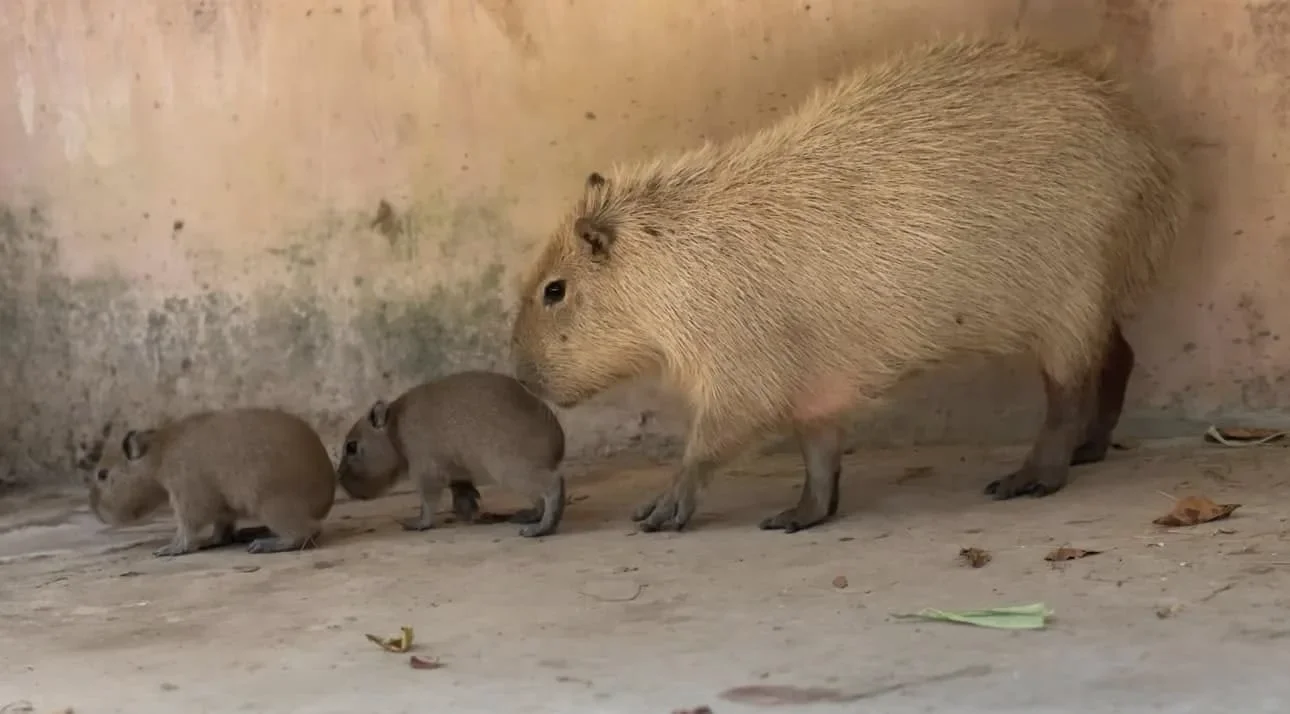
x=477 y=414
x=971 y=196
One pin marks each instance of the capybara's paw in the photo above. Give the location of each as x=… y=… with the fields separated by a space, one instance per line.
x=1027 y=481
x=526 y=516
x=1090 y=452
x=416 y=524
x=173 y=548
x=670 y=510
x=537 y=530
x=278 y=545
x=797 y=518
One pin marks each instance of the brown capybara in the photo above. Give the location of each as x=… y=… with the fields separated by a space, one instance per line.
x=215 y=467
x=981 y=196
x=456 y=430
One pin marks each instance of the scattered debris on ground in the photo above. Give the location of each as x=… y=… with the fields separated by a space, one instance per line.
x=424 y=662
x=697 y=710
x=1068 y=553
x=975 y=557
x=840 y=582
x=399 y=643
x=1194 y=510
x=1243 y=436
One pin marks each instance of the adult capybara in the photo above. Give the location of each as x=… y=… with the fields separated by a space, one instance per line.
x=979 y=196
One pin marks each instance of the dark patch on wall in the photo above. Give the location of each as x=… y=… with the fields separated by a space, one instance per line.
x=205 y=14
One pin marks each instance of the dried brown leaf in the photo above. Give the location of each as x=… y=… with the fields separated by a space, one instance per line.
x=1068 y=553
x=424 y=662
x=975 y=557
x=1194 y=510
x=400 y=643
x=840 y=582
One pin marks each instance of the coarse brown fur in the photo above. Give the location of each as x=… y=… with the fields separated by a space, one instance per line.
x=456 y=430
x=968 y=196
x=215 y=467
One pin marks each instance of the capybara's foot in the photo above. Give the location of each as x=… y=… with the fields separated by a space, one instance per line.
x=1090 y=452
x=417 y=524
x=278 y=544
x=671 y=509
x=1028 y=481
x=174 y=548
x=797 y=518
x=526 y=516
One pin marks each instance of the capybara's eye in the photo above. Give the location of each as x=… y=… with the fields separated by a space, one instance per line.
x=351 y=447
x=103 y=474
x=553 y=292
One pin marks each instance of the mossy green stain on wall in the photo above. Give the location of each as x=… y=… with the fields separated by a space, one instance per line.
x=319 y=336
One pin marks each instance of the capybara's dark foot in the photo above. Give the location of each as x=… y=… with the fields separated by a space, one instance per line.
x=671 y=509
x=1090 y=452
x=1028 y=481
x=277 y=544
x=797 y=518
x=526 y=516
x=417 y=524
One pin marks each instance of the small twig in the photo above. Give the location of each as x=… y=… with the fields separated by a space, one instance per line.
x=1217 y=592
x=1171 y=498
x=639 y=589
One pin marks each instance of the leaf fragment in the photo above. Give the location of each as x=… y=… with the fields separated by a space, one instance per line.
x=400 y=643
x=1012 y=617
x=1194 y=510
x=424 y=662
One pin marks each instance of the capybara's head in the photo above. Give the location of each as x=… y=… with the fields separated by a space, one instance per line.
x=370 y=461
x=578 y=328
x=124 y=487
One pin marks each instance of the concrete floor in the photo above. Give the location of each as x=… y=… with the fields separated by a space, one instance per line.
x=601 y=619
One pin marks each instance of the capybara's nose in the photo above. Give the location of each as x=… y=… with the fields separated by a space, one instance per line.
x=526 y=375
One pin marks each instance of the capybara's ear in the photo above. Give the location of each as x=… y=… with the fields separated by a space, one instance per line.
x=136 y=443
x=379 y=414
x=598 y=236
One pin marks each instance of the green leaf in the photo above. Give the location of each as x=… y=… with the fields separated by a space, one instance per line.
x=1012 y=617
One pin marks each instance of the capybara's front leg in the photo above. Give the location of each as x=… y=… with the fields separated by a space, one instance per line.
x=707 y=448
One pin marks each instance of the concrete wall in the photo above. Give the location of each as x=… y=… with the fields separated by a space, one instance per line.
x=215 y=202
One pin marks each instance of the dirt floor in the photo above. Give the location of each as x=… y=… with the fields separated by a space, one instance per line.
x=601 y=619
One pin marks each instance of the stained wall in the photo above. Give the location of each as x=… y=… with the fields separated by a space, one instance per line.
x=313 y=204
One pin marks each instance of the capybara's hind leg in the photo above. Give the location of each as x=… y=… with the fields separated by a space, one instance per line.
x=1047 y=467
x=465 y=501
x=550 y=509
x=1111 y=385
x=292 y=529
x=821 y=446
